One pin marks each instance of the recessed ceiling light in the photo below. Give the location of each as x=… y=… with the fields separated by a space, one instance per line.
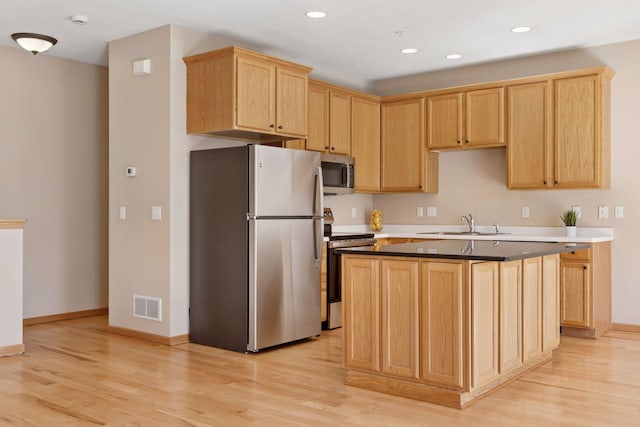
x=316 y=14
x=409 y=50
x=521 y=29
x=454 y=56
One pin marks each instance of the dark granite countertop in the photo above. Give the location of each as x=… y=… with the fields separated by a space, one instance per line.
x=478 y=250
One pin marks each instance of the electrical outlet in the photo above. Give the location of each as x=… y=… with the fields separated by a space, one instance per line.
x=156 y=213
x=525 y=212
x=577 y=210
x=603 y=212
x=420 y=211
x=618 y=212
x=354 y=213
x=123 y=212
x=432 y=211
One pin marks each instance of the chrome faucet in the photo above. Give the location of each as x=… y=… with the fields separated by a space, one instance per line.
x=470 y=222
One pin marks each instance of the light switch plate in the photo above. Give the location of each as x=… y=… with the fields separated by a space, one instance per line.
x=603 y=212
x=618 y=212
x=156 y=213
x=525 y=212
x=123 y=212
x=420 y=211
x=432 y=211
x=577 y=210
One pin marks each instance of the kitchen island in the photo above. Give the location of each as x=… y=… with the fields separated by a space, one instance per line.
x=449 y=321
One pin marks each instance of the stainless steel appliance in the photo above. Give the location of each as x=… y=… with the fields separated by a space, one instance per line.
x=338 y=172
x=256 y=246
x=334 y=271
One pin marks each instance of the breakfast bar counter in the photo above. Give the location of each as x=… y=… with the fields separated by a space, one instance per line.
x=449 y=321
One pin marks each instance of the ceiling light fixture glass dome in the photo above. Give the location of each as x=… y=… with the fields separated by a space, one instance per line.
x=34 y=43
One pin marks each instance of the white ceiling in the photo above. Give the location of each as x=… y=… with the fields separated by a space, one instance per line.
x=357 y=39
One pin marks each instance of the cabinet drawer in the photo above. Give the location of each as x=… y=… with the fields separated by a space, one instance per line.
x=582 y=254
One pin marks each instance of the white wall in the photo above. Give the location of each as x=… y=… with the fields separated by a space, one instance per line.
x=147 y=130
x=475 y=181
x=53 y=172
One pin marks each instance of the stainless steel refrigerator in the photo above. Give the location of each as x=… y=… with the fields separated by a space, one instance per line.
x=256 y=232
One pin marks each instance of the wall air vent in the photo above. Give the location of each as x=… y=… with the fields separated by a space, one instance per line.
x=147 y=307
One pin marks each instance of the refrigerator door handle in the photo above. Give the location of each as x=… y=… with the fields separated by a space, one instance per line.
x=318 y=200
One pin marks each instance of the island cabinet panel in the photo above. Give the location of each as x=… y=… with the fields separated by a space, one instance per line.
x=551 y=302
x=361 y=305
x=441 y=323
x=510 y=317
x=400 y=318
x=532 y=308
x=484 y=323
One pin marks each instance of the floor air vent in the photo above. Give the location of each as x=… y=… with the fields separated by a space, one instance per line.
x=147 y=307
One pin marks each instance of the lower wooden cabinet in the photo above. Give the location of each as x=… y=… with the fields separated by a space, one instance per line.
x=361 y=312
x=585 y=291
x=446 y=331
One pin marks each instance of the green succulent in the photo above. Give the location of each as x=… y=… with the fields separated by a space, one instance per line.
x=569 y=217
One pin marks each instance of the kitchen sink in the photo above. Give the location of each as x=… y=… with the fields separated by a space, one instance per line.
x=464 y=233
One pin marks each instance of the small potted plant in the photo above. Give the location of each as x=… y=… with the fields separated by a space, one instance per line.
x=570 y=217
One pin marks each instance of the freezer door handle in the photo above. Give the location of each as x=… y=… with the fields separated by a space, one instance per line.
x=318 y=198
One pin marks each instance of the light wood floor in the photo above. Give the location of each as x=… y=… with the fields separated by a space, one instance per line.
x=75 y=373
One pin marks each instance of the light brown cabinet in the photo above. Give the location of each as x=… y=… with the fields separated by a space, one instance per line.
x=365 y=143
x=406 y=164
x=361 y=313
x=585 y=291
x=446 y=331
x=558 y=132
x=238 y=93
x=329 y=119
x=471 y=119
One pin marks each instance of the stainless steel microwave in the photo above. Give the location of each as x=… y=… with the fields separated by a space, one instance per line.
x=338 y=174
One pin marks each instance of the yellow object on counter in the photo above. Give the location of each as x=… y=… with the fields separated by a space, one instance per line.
x=376 y=219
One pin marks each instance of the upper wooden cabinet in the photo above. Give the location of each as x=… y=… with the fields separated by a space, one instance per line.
x=365 y=143
x=237 y=93
x=558 y=132
x=406 y=164
x=470 y=119
x=329 y=119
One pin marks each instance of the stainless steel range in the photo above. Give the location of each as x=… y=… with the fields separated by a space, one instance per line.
x=334 y=281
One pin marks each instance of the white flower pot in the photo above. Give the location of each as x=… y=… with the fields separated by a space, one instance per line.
x=571 y=230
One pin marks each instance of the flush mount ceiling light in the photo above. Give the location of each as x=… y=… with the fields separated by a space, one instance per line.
x=409 y=50
x=520 y=29
x=454 y=56
x=34 y=43
x=316 y=14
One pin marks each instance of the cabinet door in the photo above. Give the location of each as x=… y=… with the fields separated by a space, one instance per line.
x=339 y=122
x=441 y=323
x=551 y=302
x=400 y=318
x=575 y=294
x=484 y=117
x=532 y=308
x=361 y=300
x=510 y=318
x=291 y=102
x=365 y=143
x=578 y=161
x=444 y=123
x=403 y=145
x=255 y=92
x=318 y=136
x=484 y=323
x=528 y=152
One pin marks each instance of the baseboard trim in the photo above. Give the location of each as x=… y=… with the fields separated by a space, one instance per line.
x=11 y=350
x=625 y=327
x=145 y=336
x=65 y=316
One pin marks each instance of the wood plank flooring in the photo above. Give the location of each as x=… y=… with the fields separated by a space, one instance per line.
x=76 y=374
